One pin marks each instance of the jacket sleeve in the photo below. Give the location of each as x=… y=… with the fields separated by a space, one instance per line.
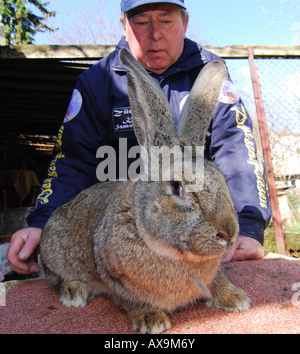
x=232 y=147
x=74 y=160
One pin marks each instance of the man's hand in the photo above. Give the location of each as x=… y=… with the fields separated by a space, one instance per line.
x=245 y=248
x=21 y=250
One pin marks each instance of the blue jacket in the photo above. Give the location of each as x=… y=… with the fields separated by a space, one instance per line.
x=99 y=114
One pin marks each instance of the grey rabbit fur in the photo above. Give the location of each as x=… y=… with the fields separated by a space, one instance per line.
x=152 y=246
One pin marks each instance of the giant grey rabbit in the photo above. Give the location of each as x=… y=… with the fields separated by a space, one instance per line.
x=152 y=246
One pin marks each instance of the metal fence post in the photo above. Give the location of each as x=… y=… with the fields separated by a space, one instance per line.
x=279 y=235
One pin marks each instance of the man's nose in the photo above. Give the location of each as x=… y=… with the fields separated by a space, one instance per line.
x=155 y=31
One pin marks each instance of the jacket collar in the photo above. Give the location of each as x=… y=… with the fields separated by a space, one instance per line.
x=116 y=64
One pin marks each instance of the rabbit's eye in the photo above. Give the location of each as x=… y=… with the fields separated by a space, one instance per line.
x=177 y=188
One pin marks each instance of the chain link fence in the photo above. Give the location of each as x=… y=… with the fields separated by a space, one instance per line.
x=280 y=86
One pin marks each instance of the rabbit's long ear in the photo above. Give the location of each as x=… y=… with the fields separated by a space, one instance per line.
x=152 y=117
x=202 y=102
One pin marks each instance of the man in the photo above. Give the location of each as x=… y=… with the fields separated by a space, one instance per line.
x=99 y=114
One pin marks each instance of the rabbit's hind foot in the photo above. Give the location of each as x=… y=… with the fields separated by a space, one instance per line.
x=74 y=293
x=149 y=321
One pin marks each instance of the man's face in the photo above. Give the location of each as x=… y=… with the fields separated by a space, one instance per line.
x=155 y=35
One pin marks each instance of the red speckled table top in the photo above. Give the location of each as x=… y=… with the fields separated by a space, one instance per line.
x=273 y=284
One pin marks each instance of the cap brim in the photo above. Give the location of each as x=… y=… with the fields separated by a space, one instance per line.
x=129 y=5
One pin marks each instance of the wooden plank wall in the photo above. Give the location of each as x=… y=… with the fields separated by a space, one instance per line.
x=58 y=52
x=92 y=52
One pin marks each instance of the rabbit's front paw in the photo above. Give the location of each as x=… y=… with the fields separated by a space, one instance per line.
x=149 y=321
x=74 y=293
x=233 y=299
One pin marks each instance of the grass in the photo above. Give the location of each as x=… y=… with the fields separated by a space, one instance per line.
x=292 y=234
x=292 y=240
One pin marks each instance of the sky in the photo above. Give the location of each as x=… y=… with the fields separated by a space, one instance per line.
x=215 y=22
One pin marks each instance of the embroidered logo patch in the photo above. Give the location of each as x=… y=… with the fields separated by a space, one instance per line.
x=122 y=119
x=74 y=106
x=228 y=93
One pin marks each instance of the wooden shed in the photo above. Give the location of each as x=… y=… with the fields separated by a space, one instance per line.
x=36 y=84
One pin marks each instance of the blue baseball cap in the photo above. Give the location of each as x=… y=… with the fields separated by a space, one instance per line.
x=127 y=5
